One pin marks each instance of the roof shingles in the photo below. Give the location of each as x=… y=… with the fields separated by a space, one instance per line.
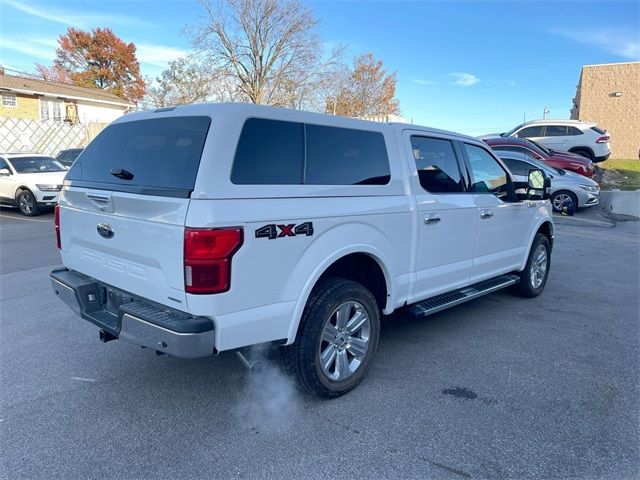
x=42 y=87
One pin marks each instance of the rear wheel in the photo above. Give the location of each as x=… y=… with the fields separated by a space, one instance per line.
x=583 y=152
x=534 y=276
x=27 y=204
x=337 y=339
x=559 y=198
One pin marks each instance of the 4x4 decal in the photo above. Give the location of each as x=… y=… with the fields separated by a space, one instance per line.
x=271 y=231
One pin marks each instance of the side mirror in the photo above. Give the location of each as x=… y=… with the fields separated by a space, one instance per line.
x=4 y=172
x=538 y=185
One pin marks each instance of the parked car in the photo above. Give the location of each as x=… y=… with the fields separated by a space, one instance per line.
x=68 y=156
x=30 y=181
x=204 y=228
x=575 y=136
x=564 y=160
x=581 y=191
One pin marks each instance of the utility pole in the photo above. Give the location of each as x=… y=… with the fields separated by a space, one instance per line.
x=545 y=112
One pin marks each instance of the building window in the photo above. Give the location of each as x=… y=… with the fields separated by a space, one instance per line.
x=9 y=100
x=44 y=110
x=57 y=116
x=50 y=110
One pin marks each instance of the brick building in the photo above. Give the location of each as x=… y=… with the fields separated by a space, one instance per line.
x=33 y=99
x=609 y=95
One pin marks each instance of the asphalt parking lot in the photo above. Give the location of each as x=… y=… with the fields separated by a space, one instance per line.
x=501 y=387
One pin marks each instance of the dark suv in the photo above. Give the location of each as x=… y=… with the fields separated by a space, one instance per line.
x=68 y=156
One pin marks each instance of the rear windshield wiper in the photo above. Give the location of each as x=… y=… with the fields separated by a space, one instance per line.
x=122 y=173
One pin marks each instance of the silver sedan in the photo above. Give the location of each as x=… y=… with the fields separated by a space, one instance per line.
x=565 y=186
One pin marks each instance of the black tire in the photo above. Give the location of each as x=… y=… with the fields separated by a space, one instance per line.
x=302 y=358
x=555 y=196
x=526 y=287
x=27 y=204
x=583 y=152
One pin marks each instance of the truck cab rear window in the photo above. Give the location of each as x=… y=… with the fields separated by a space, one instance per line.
x=274 y=152
x=160 y=153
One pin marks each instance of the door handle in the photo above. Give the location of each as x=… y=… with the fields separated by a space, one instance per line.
x=431 y=219
x=486 y=214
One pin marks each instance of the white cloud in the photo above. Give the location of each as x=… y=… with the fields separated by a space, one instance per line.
x=621 y=42
x=158 y=55
x=39 y=47
x=463 y=79
x=421 y=81
x=74 y=18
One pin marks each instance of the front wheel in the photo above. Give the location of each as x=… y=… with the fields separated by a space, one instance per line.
x=27 y=204
x=534 y=276
x=337 y=338
x=560 y=198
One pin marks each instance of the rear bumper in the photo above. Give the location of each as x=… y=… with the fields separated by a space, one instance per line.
x=602 y=158
x=133 y=319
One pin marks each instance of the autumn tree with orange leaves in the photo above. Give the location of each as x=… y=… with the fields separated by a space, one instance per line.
x=367 y=90
x=100 y=59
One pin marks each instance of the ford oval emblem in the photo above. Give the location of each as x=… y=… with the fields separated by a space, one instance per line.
x=105 y=230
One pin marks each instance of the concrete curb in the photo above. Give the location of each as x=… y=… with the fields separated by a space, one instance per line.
x=621 y=202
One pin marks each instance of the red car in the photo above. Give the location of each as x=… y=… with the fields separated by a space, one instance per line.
x=564 y=160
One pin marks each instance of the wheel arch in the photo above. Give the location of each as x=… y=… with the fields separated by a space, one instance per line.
x=546 y=227
x=347 y=263
x=23 y=187
x=589 y=150
x=547 y=230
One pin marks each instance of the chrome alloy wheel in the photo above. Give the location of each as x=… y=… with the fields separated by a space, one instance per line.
x=344 y=343
x=538 y=266
x=559 y=200
x=26 y=204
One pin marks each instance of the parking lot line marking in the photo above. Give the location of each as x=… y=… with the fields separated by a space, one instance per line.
x=80 y=379
x=26 y=219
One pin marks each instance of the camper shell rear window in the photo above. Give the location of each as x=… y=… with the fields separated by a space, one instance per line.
x=157 y=156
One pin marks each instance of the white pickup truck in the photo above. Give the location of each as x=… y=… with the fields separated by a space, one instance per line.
x=203 y=228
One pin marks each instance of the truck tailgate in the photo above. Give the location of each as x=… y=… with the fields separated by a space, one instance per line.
x=130 y=241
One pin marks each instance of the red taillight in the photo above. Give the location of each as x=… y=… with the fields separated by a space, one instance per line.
x=56 y=223
x=603 y=139
x=207 y=258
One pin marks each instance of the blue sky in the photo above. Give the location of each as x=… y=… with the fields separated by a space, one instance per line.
x=469 y=66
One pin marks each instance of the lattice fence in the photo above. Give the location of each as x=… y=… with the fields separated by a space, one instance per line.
x=24 y=135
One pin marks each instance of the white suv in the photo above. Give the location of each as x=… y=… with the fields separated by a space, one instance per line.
x=30 y=181
x=204 y=228
x=582 y=138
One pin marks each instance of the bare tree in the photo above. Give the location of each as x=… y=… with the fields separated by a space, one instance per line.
x=267 y=49
x=185 y=81
x=53 y=73
x=368 y=90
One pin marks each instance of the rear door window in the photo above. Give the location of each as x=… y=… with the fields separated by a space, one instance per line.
x=160 y=156
x=269 y=152
x=343 y=156
x=556 y=131
x=437 y=165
